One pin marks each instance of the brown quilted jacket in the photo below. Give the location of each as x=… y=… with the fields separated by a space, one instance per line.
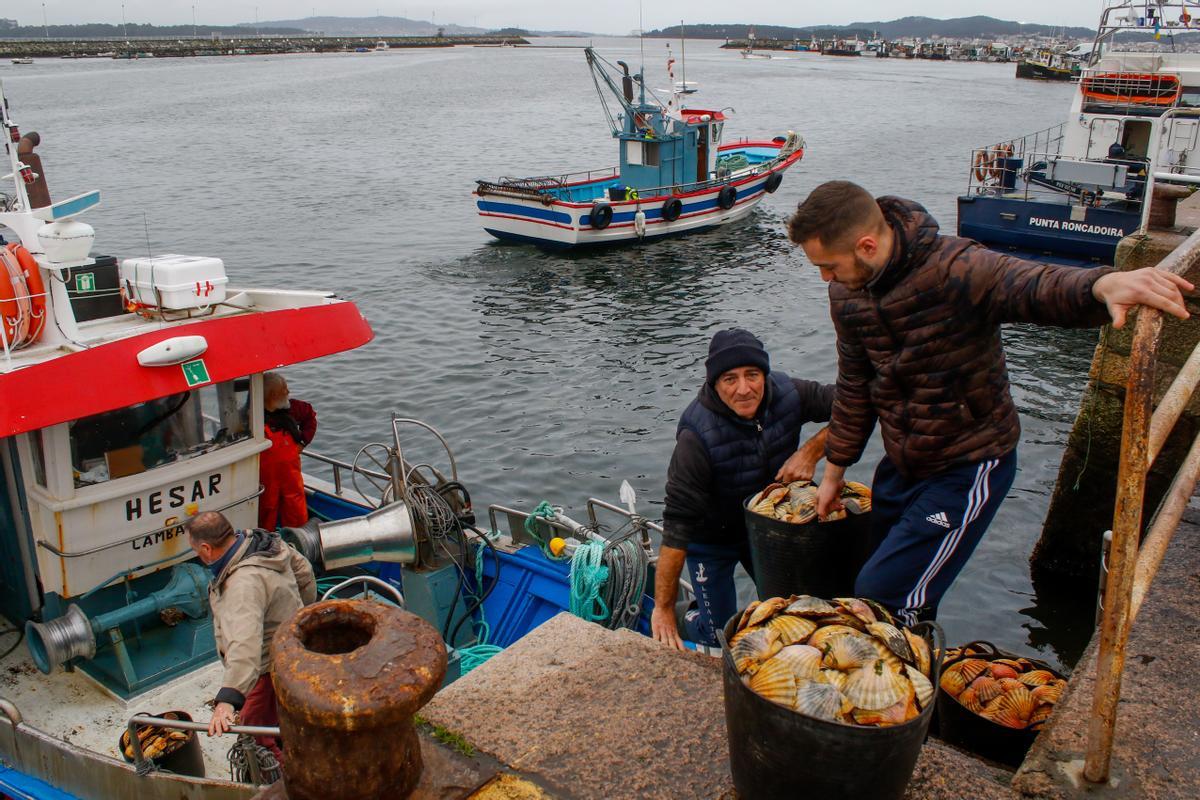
x=919 y=347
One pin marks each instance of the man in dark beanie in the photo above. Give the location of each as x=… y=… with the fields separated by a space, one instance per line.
x=740 y=433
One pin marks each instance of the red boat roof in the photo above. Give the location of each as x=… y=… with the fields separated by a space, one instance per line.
x=108 y=376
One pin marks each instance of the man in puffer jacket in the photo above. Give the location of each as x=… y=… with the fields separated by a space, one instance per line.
x=918 y=319
x=742 y=431
x=258 y=583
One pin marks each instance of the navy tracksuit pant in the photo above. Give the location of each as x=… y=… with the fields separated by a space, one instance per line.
x=711 y=568
x=927 y=529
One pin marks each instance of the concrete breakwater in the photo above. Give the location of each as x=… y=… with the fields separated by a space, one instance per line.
x=247 y=45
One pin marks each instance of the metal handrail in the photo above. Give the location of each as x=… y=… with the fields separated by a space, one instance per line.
x=1131 y=570
x=78 y=553
x=368 y=580
x=141 y=763
x=339 y=465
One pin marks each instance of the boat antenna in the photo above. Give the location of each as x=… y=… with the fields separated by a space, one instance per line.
x=642 y=45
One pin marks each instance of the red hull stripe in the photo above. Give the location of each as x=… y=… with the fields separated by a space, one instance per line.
x=108 y=376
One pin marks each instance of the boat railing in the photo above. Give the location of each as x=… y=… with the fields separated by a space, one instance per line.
x=1132 y=561
x=986 y=174
x=543 y=188
x=338 y=467
x=1179 y=173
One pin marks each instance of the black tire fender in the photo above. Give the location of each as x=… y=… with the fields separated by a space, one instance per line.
x=773 y=182
x=727 y=197
x=601 y=216
x=672 y=209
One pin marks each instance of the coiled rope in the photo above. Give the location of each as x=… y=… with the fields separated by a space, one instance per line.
x=608 y=581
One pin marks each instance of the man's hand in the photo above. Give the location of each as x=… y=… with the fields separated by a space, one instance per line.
x=664 y=628
x=1149 y=286
x=222 y=719
x=829 y=493
x=802 y=464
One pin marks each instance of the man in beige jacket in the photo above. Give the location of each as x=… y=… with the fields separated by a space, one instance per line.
x=258 y=583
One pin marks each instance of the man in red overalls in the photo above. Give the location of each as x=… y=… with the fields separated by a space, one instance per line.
x=282 y=501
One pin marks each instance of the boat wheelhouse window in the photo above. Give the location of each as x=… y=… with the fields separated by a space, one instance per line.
x=136 y=438
x=1190 y=97
x=641 y=153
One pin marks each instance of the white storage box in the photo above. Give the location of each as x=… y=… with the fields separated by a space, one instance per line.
x=174 y=282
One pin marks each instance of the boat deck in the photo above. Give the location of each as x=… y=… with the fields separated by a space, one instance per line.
x=72 y=707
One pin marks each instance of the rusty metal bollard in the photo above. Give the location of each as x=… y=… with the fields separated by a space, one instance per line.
x=349 y=675
x=1162 y=205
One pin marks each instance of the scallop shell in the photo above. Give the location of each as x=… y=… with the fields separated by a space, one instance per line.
x=1040 y=715
x=856 y=489
x=744 y=620
x=754 y=648
x=881 y=613
x=999 y=671
x=820 y=700
x=1049 y=694
x=987 y=688
x=856 y=607
x=843 y=618
x=921 y=685
x=848 y=652
x=874 y=687
x=891 y=636
x=1038 y=677
x=857 y=505
x=835 y=678
x=970 y=701
x=1005 y=717
x=1008 y=684
x=774 y=681
x=1020 y=701
x=792 y=630
x=893 y=661
x=896 y=714
x=959 y=675
x=808 y=606
x=802 y=660
x=821 y=636
x=1019 y=664
x=765 y=610
x=920 y=650
x=763 y=506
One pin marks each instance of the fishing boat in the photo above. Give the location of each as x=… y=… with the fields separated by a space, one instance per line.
x=22 y=61
x=1073 y=191
x=676 y=175
x=1049 y=65
x=748 y=50
x=132 y=402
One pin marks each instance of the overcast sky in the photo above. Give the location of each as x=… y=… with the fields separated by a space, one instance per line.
x=609 y=16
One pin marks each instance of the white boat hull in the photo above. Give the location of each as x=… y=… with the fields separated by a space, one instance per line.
x=565 y=225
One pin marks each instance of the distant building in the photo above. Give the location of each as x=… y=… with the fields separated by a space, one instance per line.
x=8 y=24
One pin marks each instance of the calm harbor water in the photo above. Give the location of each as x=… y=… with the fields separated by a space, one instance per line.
x=553 y=376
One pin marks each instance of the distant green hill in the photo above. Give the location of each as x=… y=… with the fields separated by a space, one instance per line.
x=904 y=28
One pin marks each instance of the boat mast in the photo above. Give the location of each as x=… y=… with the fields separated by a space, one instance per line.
x=683 y=53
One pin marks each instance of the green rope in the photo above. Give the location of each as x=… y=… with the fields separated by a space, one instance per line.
x=544 y=511
x=588 y=576
x=474 y=655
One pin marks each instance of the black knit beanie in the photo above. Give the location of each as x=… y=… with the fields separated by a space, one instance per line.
x=733 y=348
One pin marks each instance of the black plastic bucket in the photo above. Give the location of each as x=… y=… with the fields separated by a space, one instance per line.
x=188 y=759
x=817 y=558
x=775 y=752
x=971 y=732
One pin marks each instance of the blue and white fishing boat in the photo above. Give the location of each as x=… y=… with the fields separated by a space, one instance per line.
x=676 y=175
x=1072 y=192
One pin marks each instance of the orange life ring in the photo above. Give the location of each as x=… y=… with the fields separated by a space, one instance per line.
x=22 y=297
x=995 y=162
x=36 y=287
x=981 y=165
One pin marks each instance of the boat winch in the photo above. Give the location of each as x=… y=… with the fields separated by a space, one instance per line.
x=387 y=534
x=74 y=635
